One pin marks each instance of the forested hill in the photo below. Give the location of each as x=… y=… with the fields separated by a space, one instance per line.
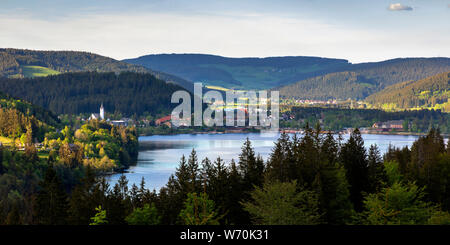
x=240 y=73
x=431 y=92
x=28 y=109
x=362 y=80
x=19 y=63
x=21 y=119
x=73 y=93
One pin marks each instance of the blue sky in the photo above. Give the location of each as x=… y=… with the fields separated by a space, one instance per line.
x=358 y=30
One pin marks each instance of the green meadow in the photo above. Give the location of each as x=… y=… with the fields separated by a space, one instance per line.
x=38 y=71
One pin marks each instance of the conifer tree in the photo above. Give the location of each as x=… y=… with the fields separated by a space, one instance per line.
x=193 y=172
x=354 y=157
x=51 y=204
x=236 y=215
x=377 y=177
x=280 y=164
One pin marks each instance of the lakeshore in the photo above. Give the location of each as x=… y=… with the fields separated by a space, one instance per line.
x=159 y=155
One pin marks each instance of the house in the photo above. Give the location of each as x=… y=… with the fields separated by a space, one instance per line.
x=119 y=123
x=394 y=124
x=164 y=120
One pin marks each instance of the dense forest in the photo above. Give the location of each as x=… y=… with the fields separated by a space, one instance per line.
x=25 y=107
x=313 y=179
x=420 y=121
x=14 y=62
x=362 y=80
x=431 y=92
x=29 y=176
x=74 y=93
x=20 y=120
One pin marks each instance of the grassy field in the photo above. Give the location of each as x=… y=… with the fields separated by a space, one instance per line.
x=38 y=71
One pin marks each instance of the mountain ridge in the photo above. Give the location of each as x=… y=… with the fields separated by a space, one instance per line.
x=245 y=73
x=364 y=79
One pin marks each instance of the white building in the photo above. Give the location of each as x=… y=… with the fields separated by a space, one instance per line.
x=98 y=116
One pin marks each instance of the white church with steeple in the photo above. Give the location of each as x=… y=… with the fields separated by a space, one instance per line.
x=98 y=116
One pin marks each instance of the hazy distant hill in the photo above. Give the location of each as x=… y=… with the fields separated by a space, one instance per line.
x=127 y=93
x=31 y=63
x=362 y=80
x=430 y=92
x=240 y=73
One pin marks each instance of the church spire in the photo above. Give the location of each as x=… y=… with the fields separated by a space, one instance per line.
x=102 y=112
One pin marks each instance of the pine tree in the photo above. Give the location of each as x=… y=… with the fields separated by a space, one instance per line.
x=182 y=178
x=85 y=197
x=377 y=177
x=334 y=196
x=354 y=157
x=307 y=158
x=199 y=210
x=100 y=217
x=280 y=164
x=193 y=172
x=282 y=204
x=250 y=167
x=219 y=186
x=51 y=204
x=236 y=214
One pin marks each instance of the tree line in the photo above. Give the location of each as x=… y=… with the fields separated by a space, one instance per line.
x=313 y=179
x=420 y=121
x=74 y=93
x=61 y=165
x=19 y=118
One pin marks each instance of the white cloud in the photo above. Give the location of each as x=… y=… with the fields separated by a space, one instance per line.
x=399 y=7
x=127 y=36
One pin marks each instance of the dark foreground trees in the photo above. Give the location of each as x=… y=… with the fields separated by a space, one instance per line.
x=313 y=179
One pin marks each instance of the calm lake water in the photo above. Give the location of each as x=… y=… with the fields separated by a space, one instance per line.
x=159 y=155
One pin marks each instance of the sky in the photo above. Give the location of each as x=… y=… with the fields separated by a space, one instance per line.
x=356 y=30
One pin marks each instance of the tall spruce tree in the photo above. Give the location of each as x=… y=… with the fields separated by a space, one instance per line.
x=236 y=215
x=376 y=174
x=280 y=164
x=194 y=173
x=251 y=167
x=354 y=157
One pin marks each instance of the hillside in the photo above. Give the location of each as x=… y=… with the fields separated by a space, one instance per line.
x=18 y=116
x=431 y=92
x=19 y=63
x=29 y=109
x=73 y=93
x=240 y=73
x=362 y=80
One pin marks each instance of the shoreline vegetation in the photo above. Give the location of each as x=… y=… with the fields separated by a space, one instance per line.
x=317 y=178
x=289 y=131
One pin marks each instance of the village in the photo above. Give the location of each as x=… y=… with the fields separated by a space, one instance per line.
x=164 y=125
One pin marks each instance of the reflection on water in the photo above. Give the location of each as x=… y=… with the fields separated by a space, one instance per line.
x=159 y=155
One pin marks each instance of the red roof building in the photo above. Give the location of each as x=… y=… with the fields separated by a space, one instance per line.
x=163 y=120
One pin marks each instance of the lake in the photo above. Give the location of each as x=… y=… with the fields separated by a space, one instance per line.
x=159 y=156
